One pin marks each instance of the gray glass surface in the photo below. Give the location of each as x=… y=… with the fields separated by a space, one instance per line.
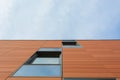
x=46 y=61
x=39 y=70
x=72 y=46
x=68 y=41
x=49 y=49
x=89 y=79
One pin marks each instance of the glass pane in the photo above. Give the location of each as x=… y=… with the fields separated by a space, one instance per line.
x=49 y=49
x=39 y=70
x=68 y=41
x=89 y=79
x=72 y=46
x=46 y=61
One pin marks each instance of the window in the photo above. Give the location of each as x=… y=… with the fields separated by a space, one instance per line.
x=46 y=56
x=70 y=44
x=89 y=79
x=39 y=70
x=45 y=62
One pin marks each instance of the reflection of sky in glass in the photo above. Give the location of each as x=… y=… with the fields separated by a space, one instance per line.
x=59 y=19
x=49 y=49
x=46 y=61
x=39 y=70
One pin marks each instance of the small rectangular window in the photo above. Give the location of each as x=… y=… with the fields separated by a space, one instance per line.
x=70 y=44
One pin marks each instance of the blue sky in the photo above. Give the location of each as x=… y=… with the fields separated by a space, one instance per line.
x=59 y=19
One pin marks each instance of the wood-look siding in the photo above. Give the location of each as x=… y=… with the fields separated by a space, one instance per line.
x=100 y=59
x=97 y=58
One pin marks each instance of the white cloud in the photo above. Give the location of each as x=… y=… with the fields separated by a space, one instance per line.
x=59 y=19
